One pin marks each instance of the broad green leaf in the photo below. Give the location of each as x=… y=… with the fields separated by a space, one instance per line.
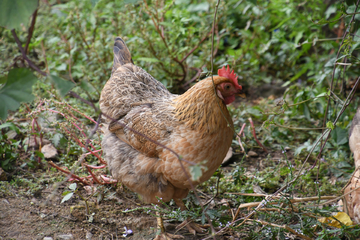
x=62 y=85
x=87 y=86
x=340 y=135
x=343 y=164
x=11 y=126
x=332 y=9
x=67 y=197
x=3 y=80
x=17 y=89
x=14 y=13
x=357 y=36
x=255 y=112
x=201 y=7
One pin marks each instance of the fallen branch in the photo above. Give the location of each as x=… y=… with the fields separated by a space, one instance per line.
x=268 y=199
x=281 y=226
x=294 y=200
x=80 y=179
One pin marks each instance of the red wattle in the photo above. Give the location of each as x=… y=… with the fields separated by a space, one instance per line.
x=229 y=99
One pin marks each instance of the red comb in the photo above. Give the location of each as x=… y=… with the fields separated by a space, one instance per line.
x=226 y=72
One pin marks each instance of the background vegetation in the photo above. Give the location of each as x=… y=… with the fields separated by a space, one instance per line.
x=298 y=61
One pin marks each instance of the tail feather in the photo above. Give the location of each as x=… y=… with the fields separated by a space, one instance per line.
x=354 y=136
x=355 y=121
x=122 y=54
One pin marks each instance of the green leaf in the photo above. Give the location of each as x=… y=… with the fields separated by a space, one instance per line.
x=285 y=170
x=357 y=36
x=196 y=170
x=10 y=125
x=62 y=85
x=344 y=164
x=3 y=80
x=87 y=86
x=14 y=13
x=67 y=197
x=201 y=7
x=56 y=139
x=255 y=112
x=340 y=136
x=18 y=89
x=94 y=2
x=332 y=9
x=307 y=112
x=131 y=1
x=330 y=125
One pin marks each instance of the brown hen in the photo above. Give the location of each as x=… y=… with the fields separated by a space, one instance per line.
x=352 y=191
x=140 y=113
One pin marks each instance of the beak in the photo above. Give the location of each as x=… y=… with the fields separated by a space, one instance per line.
x=241 y=94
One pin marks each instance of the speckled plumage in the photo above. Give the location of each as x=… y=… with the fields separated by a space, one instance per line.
x=196 y=125
x=352 y=193
x=354 y=133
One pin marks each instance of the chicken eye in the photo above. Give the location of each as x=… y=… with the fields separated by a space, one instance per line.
x=227 y=87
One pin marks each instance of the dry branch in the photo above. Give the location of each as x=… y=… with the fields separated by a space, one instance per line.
x=294 y=200
x=281 y=226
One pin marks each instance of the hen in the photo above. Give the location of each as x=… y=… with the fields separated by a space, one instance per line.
x=146 y=124
x=352 y=191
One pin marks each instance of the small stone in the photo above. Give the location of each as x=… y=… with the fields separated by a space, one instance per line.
x=66 y=236
x=48 y=238
x=287 y=148
x=88 y=235
x=32 y=143
x=252 y=154
x=49 y=151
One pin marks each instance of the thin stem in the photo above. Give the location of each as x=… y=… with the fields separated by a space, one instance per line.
x=31 y=30
x=31 y=64
x=296 y=128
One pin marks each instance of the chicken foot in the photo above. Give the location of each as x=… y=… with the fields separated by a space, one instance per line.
x=188 y=223
x=191 y=227
x=164 y=235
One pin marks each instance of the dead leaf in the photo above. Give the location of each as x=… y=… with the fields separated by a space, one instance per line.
x=334 y=221
x=49 y=151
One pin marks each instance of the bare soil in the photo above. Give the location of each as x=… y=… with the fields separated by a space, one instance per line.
x=41 y=215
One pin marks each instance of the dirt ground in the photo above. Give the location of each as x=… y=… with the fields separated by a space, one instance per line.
x=41 y=215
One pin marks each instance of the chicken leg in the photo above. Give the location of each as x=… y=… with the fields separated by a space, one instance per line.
x=164 y=235
x=189 y=224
